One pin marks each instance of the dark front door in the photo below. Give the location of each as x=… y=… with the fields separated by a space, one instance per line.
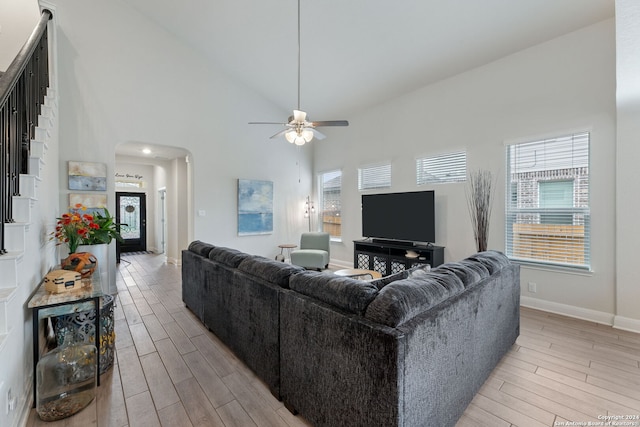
x=131 y=214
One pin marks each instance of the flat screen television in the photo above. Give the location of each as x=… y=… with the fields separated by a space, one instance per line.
x=408 y=217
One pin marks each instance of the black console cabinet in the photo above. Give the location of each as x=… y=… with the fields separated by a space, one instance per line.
x=390 y=257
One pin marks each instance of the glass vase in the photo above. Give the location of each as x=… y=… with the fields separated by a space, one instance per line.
x=65 y=380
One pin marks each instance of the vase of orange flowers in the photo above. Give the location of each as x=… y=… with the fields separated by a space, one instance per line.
x=79 y=227
x=83 y=231
x=74 y=227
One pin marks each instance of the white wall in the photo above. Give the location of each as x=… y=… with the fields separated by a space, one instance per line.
x=554 y=87
x=628 y=154
x=139 y=84
x=17 y=21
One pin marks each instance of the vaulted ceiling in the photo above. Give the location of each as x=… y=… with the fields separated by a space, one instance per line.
x=358 y=53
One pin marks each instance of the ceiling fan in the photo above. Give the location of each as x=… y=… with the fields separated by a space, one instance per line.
x=298 y=130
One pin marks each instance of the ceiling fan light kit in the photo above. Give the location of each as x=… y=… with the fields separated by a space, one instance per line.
x=298 y=130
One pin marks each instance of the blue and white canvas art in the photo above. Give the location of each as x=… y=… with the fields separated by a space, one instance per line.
x=87 y=176
x=255 y=207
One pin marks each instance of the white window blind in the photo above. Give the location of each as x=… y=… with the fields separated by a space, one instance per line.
x=330 y=211
x=548 y=209
x=374 y=176
x=451 y=167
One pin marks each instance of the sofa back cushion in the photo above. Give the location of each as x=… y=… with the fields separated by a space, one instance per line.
x=492 y=260
x=227 y=256
x=384 y=281
x=404 y=299
x=275 y=272
x=345 y=293
x=469 y=272
x=200 y=248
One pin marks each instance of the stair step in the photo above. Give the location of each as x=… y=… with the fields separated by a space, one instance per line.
x=29 y=185
x=22 y=208
x=15 y=236
x=35 y=166
x=45 y=122
x=42 y=134
x=9 y=269
x=46 y=111
x=38 y=148
x=51 y=94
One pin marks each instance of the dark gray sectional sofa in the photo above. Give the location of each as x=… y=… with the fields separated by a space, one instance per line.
x=410 y=349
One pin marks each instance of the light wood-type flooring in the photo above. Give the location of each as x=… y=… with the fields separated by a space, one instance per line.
x=171 y=371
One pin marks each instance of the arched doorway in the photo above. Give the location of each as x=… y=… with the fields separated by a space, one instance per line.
x=159 y=175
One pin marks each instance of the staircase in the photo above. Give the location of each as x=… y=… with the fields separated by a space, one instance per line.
x=21 y=270
x=28 y=203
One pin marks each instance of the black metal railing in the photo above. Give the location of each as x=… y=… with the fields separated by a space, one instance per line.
x=23 y=87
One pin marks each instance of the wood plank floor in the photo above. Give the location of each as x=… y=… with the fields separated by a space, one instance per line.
x=171 y=371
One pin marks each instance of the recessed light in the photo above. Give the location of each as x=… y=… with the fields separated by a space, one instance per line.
x=146 y=151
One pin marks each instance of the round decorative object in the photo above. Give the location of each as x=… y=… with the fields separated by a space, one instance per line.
x=81 y=327
x=65 y=380
x=130 y=209
x=84 y=263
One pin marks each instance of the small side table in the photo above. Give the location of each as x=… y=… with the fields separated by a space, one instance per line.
x=45 y=304
x=358 y=273
x=286 y=247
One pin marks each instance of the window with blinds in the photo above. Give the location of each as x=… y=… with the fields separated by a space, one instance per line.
x=374 y=176
x=451 y=167
x=330 y=206
x=547 y=209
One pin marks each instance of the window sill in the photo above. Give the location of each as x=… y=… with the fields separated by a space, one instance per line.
x=554 y=268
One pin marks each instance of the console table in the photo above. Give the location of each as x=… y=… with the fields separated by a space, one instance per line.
x=45 y=304
x=389 y=258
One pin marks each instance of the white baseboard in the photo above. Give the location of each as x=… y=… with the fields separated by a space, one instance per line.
x=174 y=261
x=568 y=310
x=626 y=324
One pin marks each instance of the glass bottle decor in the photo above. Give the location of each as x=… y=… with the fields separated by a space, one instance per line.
x=65 y=380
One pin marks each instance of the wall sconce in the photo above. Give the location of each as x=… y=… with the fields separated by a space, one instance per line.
x=309 y=209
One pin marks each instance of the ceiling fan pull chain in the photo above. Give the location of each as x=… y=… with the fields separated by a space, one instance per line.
x=298 y=130
x=299 y=54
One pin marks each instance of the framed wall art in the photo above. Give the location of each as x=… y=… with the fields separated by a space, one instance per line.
x=90 y=201
x=255 y=207
x=87 y=176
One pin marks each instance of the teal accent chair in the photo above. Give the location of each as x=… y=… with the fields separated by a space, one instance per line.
x=313 y=252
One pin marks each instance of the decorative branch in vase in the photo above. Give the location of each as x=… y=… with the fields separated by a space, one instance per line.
x=480 y=201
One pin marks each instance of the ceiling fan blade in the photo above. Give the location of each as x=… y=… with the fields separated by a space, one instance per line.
x=331 y=123
x=268 y=123
x=318 y=135
x=282 y=132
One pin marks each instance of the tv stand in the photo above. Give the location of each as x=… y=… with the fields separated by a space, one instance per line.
x=388 y=257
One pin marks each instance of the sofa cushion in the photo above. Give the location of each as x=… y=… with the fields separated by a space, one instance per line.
x=384 y=281
x=469 y=272
x=275 y=272
x=227 y=256
x=200 y=248
x=493 y=260
x=342 y=292
x=412 y=272
x=404 y=299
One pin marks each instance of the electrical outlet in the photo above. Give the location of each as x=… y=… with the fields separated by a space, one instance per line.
x=533 y=287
